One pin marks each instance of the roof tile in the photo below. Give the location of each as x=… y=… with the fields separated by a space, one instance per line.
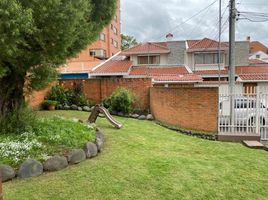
x=149 y=47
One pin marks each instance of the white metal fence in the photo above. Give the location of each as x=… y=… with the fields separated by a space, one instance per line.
x=249 y=114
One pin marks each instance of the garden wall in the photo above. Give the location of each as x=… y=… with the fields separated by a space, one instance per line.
x=36 y=98
x=186 y=107
x=96 y=90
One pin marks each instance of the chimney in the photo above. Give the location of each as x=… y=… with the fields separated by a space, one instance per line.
x=248 y=38
x=169 y=37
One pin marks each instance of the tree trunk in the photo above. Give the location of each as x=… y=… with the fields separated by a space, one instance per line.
x=11 y=93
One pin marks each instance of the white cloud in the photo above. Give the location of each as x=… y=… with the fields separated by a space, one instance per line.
x=149 y=20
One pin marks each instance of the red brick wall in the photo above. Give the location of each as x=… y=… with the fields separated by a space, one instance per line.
x=36 y=99
x=190 y=108
x=96 y=90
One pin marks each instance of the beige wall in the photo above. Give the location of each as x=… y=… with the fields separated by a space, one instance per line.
x=163 y=59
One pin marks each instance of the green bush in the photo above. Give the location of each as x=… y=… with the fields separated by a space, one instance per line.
x=121 y=100
x=17 y=122
x=59 y=94
x=68 y=96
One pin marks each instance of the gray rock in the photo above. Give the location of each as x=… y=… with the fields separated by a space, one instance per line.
x=80 y=109
x=142 y=117
x=99 y=140
x=91 y=149
x=7 y=172
x=121 y=114
x=135 y=116
x=30 y=168
x=76 y=156
x=66 y=107
x=86 y=108
x=92 y=108
x=55 y=163
x=74 y=107
x=59 y=107
x=149 y=117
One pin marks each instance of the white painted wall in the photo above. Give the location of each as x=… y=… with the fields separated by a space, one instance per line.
x=224 y=89
x=263 y=88
x=263 y=56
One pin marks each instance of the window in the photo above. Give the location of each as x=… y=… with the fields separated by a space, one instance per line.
x=92 y=53
x=115 y=44
x=102 y=37
x=258 y=56
x=100 y=53
x=142 y=60
x=207 y=58
x=115 y=30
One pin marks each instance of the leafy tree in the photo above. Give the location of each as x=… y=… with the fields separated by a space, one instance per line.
x=128 y=41
x=37 y=36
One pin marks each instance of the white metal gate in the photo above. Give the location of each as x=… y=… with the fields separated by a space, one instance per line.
x=248 y=116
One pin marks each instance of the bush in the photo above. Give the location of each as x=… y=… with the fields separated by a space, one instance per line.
x=59 y=94
x=17 y=122
x=121 y=100
x=68 y=96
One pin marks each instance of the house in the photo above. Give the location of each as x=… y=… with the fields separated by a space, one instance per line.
x=256 y=46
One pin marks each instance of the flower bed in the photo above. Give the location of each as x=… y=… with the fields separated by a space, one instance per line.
x=50 y=136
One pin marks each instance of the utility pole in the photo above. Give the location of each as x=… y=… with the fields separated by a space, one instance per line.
x=219 y=45
x=232 y=20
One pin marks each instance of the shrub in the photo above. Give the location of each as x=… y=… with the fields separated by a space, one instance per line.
x=78 y=97
x=19 y=121
x=59 y=94
x=68 y=96
x=121 y=100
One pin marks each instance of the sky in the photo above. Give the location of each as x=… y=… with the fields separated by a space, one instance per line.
x=151 y=20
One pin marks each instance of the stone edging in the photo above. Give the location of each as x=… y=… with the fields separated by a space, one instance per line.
x=120 y=114
x=197 y=134
x=31 y=168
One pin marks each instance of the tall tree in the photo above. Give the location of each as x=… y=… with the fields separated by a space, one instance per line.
x=37 y=36
x=128 y=41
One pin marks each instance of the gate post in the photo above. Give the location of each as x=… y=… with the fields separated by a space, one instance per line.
x=258 y=107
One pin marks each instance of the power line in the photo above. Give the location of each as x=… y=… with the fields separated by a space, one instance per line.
x=188 y=19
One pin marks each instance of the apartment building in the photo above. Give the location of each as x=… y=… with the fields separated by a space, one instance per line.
x=107 y=45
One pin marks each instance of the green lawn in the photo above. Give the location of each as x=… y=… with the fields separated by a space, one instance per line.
x=146 y=161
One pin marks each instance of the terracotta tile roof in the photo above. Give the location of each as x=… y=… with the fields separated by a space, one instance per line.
x=211 y=72
x=76 y=66
x=256 y=62
x=205 y=43
x=239 y=70
x=113 y=67
x=149 y=47
x=253 y=77
x=178 y=78
x=251 y=69
x=157 y=71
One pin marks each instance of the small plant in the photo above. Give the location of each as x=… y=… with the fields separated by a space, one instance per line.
x=121 y=100
x=49 y=104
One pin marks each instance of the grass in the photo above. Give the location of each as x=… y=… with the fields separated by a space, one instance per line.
x=146 y=161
